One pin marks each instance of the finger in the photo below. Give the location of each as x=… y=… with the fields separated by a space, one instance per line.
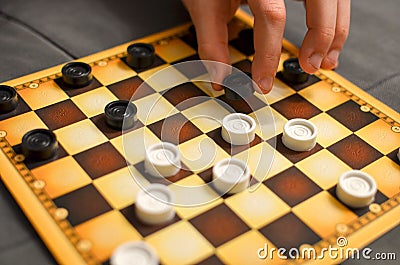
x=321 y=23
x=341 y=34
x=212 y=37
x=269 y=24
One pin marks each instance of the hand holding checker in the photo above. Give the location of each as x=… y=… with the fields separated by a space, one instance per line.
x=328 y=24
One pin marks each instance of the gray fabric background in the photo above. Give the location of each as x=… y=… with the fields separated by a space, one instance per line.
x=37 y=34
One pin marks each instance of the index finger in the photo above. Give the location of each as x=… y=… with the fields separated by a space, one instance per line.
x=321 y=23
x=269 y=24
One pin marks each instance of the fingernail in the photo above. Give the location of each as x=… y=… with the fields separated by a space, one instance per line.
x=333 y=56
x=315 y=60
x=266 y=84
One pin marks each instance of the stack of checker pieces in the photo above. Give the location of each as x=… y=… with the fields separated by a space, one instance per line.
x=89 y=193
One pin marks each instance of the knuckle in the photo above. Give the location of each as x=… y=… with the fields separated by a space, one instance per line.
x=342 y=33
x=326 y=33
x=273 y=11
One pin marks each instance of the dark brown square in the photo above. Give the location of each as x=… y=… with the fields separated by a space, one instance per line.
x=100 y=122
x=312 y=79
x=83 y=204
x=190 y=39
x=131 y=88
x=244 y=66
x=157 y=62
x=293 y=156
x=379 y=199
x=206 y=175
x=213 y=260
x=20 y=109
x=175 y=129
x=289 y=232
x=240 y=46
x=296 y=106
x=393 y=156
x=183 y=173
x=292 y=186
x=100 y=160
x=71 y=92
x=60 y=114
x=355 y=152
x=219 y=225
x=185 y=96
x=229 y=148
x=351 y=116
x=246 y=106
x=191 y=70
x=144 y=229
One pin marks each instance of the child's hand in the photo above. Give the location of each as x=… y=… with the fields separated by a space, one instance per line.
x=328 y=24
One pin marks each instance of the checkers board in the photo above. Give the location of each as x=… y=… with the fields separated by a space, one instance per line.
x=82 y=202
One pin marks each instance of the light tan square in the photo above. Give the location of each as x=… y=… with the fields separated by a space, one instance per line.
x=323 y=212
x=322 y=96
x=207 y=116
x=323 y=168
x=62 y=176
x=330 y=131
x=106 y=233
x=133 y=145
x=92 y=103
x=17 y=126
x=114 y=71
x=243 y=250
x=279 y=91
x=257 y=207
x=203 y=82
x=174 y=50
x=201 y=153
x=380 y=135
x=80 y=136
x=46 y=94
x=154 y=108
x=120 y=187
x=386 y=174
x=264 y=161
x=268 y=122
x=163 y=77
x=179 y=244
x=194 y=197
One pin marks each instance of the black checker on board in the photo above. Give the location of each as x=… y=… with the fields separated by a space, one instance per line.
x=21 y=108
x=74 y=91
x=312 y=79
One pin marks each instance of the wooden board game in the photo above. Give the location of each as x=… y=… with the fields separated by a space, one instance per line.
x=82 y=202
